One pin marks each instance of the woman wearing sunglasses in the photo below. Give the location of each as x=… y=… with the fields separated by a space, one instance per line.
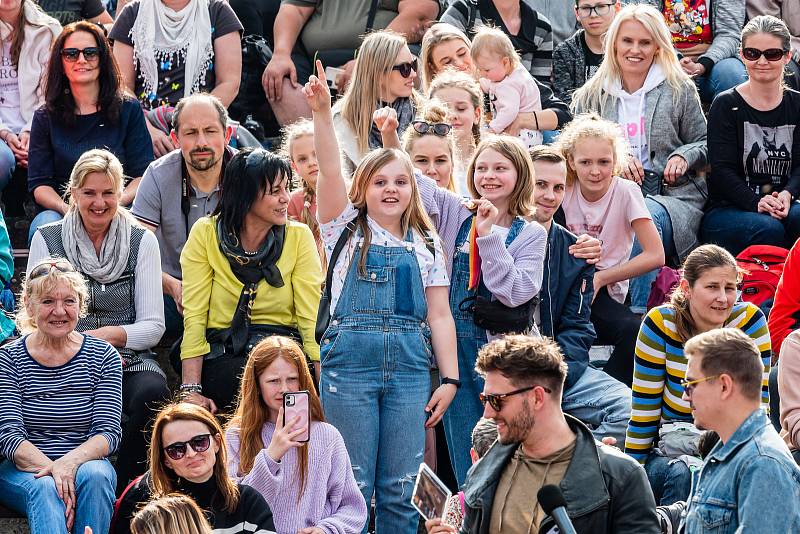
x=85 y=107
x=122 y=265
x=704 y=300
x=431 y=146
x=26 y=33
x=188 y=455
x=60 y=396
x=754 y=148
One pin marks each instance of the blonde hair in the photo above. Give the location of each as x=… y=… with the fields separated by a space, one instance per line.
x=171 y=514
x=99 y=161
x=34 y=288
x=432 y=112
x=520 y=203
x=452 y=78
x=291 y=133
x=376 y=57
x=494 y=41
x=414 y=217
x=437 y=34
x=592 y=126
x=593 y=96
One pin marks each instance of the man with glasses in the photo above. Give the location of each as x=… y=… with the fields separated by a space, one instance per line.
x=538 y=445
x=749 y=481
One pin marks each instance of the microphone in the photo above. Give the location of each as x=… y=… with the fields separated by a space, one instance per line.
x=554 y=505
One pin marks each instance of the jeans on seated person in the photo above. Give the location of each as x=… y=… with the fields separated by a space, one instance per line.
x=38 y=499
x=42 y=218
x=616 y=325
x=735 y=229
x=641 y=285
x=670 y=479
x=727 y=73
x=7 y=165
x=601 y=402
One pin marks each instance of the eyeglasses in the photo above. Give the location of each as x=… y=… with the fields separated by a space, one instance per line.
x=689 y=385
x=90 y=53
x=438 y=128
x=45 y=268
x=496 y=401
x=599 y=10
x=177 y=450
x=772 y=54
x=405 y=68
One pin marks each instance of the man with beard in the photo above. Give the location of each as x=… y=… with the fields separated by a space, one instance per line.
x=182 y=186
x=605 y=490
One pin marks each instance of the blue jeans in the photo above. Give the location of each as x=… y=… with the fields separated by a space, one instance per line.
x=38 y=499
x=736 y=229
x=375 y=380
x=7 y=165
x=727 y=73
x=641 y=285
x=42 y=218
x=671 y=480
x=601 y=402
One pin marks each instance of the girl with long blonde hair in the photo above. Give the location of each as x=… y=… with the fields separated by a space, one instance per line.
x=298 y=146
x=443 y=47
x=390 y=321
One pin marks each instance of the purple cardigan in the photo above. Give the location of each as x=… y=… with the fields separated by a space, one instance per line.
x=514 y=274
x=331 y=499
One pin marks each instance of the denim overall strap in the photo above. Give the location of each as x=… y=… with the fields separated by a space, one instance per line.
x=375 y=380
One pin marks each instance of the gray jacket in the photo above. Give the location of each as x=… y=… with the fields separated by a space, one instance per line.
x=569 y=67
x=680 y=131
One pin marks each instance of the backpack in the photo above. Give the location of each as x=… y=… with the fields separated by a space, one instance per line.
x=764 y=266
x=666 y=280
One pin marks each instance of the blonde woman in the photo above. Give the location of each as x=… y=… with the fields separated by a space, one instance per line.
x=641 y=86
x=429 y=143
x=384 y=75
x=172 y=514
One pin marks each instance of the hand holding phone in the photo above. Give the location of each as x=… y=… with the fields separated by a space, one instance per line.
x=291 y=429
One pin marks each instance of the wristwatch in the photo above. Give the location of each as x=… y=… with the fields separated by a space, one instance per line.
x=455 y=382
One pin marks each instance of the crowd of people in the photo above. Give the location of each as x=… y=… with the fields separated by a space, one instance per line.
x=468 y=196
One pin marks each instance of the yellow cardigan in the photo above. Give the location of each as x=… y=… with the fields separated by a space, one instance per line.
x=207 y=279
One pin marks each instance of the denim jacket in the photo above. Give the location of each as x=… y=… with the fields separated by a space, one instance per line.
x=750 y=484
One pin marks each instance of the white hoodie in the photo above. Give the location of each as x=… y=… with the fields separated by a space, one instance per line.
x=631 y=110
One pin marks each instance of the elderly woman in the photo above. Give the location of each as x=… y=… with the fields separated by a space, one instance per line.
x=60 y=402
x=188 y=456
x=248 y=272
x=121 y=263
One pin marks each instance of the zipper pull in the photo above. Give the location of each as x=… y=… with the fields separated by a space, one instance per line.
x=102 y=287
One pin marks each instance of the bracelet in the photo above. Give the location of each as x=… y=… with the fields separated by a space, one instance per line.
x=186 y=389
x=444 y=381
x=536 y=118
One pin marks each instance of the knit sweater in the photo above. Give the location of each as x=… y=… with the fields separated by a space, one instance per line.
x=330 y=499
x=569 y=67
x=660 y=366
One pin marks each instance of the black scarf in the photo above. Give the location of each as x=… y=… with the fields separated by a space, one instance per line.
x=250 y=269
x=405 y=114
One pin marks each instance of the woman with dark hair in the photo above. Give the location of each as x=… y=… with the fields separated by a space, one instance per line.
x=85 y=107
x=248 y=273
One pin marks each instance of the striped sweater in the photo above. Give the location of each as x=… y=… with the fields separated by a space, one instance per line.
x=660 y=366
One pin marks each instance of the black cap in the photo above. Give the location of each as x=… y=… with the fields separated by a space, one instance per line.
x=550 y=497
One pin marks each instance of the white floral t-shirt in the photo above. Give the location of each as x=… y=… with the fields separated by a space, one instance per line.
x=433 y=270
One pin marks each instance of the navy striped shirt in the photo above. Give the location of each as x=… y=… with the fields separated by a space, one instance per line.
x=59 y=408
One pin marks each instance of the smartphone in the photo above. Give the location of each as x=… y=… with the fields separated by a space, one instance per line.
x=296 y=403
x=332 y=74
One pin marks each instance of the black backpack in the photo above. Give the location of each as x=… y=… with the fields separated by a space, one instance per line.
x=256 y=53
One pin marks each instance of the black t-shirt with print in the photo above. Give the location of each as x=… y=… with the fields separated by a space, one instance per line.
x=171 y=73
x=590 y=59
x=66 y=11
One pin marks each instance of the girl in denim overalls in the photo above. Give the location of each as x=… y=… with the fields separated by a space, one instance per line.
x=389 y=316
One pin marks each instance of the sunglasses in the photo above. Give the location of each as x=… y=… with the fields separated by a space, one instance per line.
x=45 y=268
x=439 y=128
x=90 y=53
x=772 y=54
x=177 y=450
x=405 y=68
x=689 y=385
x=496 y=401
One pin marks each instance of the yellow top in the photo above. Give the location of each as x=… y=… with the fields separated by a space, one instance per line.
x=207 y=278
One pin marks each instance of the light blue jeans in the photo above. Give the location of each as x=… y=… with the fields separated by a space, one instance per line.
x=641 y=285
x=38 y=499
x=727 y=73
x=42 y=218
x=7 y=165
x=601 y=402
x=670 y=479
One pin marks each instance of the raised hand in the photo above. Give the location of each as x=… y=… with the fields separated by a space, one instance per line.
x=385 y=119
x=317 y=92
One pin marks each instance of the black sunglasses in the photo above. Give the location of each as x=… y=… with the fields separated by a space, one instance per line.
x=405 y=68
x=90 y=53
x=439 y=128
x=496 y=401
x=45 y=268
x=772 y=54
x=177 y=450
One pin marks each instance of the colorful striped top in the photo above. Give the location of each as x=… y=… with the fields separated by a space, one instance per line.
x=660 y=366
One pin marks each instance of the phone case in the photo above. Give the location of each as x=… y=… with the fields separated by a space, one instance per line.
x=296 y=403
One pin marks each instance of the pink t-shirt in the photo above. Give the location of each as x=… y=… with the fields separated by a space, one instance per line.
x=609 y=220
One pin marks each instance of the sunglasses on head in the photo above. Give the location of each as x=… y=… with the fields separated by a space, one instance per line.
x=45 y=268
x=496 y=401
x=177 y=450
x=405 y=68
x=772 y=54
x=439 y=128
x=90 y=53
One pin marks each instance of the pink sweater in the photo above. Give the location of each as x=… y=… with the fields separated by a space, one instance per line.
x=331 y=500
x=516 y=93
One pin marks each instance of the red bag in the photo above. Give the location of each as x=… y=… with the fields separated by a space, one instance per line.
x=764 y=264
